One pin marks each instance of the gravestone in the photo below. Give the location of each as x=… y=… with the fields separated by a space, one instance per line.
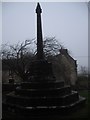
x=42 y=95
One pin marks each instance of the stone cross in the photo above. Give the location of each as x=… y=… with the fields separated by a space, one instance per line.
x=39 y=33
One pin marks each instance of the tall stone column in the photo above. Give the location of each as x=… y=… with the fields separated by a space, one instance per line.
x=39 y=33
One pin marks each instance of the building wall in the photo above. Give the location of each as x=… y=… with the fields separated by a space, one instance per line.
x=68 y=67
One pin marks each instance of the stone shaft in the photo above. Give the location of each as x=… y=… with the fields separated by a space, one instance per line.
x=39 y=33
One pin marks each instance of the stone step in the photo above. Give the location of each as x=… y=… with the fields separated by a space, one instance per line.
x=43 y=92
x=42 y=85
x=42 y=110
x=43 y=101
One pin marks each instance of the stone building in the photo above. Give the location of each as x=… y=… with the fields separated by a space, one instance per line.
x=65 y=67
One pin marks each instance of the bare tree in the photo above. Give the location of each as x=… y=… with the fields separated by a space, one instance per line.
x=51 y=46
x=17 y=58
x=83 y=70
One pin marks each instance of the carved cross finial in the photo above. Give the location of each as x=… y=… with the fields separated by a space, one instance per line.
x=38 y=8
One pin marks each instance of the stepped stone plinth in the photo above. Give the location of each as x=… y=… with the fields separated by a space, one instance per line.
x=41 y=95
x=41 y=71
